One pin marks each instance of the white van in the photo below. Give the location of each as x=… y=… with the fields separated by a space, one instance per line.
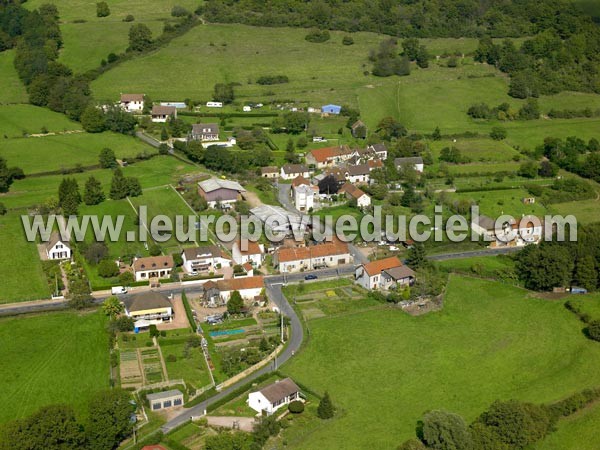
x=116 y=290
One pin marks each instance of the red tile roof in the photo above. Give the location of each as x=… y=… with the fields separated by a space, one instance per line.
x=323 y=154
x=253 y=248
x=299 y=180
x=375 y=267
x=352 y=190
x=240 y=284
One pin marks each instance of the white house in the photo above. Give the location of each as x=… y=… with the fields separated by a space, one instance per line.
x=295 y=259
x=152 y=267
x=416 y=162
x=527 y=230
x=133 y=103
x=204 y=259
x=56 y=248
x=220 y=291
x=205 y=132
x=274 y=396
x=304 y=193
x=269 y=172
x=383 y=274
x=359 y=173
x=248 y=251
x=161 y=114
x=148 y=308
x=291 y=171
x=352 y=192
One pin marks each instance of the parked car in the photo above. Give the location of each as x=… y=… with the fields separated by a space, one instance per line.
x=116 y=290
x=311 y=276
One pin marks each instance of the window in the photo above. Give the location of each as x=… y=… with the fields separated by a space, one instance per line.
x=177 y=402
x=167 y=404
x=156 y=405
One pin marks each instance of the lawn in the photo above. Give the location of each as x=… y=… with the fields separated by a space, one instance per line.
x=52 y=358
x=586 y=211
x=43 y=154
x=17 y=120
x=192 y=368
x=22 y=275
x=13 y=91
x=496 y=203
x=491 y=341
x=157 y=171
x=479 y=149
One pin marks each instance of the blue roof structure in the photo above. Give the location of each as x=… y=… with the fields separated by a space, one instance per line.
x=331 y=109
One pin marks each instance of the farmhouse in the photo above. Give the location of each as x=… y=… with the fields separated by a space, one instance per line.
x=291 y=171
x=274 y=396
x=269 y=172
x=352 y=192
x=249 y=252
x=132 y=102
x=165 y=400
x=527 y=230
x=220 y=291
x=152 y=267
x=163 y=113
x=331 y=109
x=203 y=259
x=329 y=254
x=384 y=274
x=216 y=190
x=415 y=162
x=328 y=156
x=359 y=173
x=204 y=132
x=56 y=248
x=148 y=308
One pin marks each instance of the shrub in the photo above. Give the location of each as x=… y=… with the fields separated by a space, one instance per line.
x=102 y=9
x=153 y=331
x=296 y=407
x=179 y=11
x=272 y=79
x=3 y=209
x=318 y=36
x=326 y=409
x=445 y=431
x=129 y=18
x=126 y=278
x=347 y=40
x=112 y=57
x=149 y=344
x=171 y=358
x=107 y=268
x=498 y=133
x=593 y=330
x=154 y=250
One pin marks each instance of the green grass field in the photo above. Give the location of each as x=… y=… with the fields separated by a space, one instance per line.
x=586 y=211
x=157 y=171
x=477 y=150
x=192 y=369
x=491 y=341
x=52 y=358
x=13 y=91
x=495 y=203
x=17 y=120
x=43 y=154
x=22 y=274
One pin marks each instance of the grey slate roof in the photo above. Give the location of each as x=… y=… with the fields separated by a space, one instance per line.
x=216 y=183
x=277 y=391
x=410 y=160
x=398 y=273
x=146 y=300
x=164 y=395
x=198 y=252
x=205 y=128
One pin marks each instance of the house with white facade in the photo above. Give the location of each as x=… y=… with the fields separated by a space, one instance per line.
x=527 y=230
x=384 y=274
x=160 y=114
x=304 y=194
x=205 y=132
x=248 y=251
x=269 y=172
x=133 y=103
x=57 y=248
x=207 y=258
x=291 y=171
x=148 y=308
x=219 y=292
x=363 y=200
x=295 y=259
x=359 y=173
x=274 y=396
x=416 y=162
x=152 y=267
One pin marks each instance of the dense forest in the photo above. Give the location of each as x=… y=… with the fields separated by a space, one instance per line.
x=411 y=18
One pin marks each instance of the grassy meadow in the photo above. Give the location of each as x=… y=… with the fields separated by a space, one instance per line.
x=13 y=91
x=19 y=120
x=51 y=358
x=49 y=153
x=491 y=341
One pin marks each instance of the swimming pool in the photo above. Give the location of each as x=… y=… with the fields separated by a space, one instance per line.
x=225 y=332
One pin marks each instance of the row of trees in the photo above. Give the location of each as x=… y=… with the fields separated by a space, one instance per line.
x=57 y=427
x=426 y=18
x=572 y=154
x=8 y=175
x=504 y=425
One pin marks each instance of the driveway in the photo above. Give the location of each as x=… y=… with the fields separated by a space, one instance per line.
x=180 y=318
x=242 y=423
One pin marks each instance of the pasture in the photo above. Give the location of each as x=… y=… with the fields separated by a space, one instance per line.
x=49 y=153
x=586 y=211
x=477 y=149
x=22 y=274
x=33 y=191
x=19 y=120
x=496 y=203
x=481 y=347
x=59 y=357
x=13 y=91
x=576 y=432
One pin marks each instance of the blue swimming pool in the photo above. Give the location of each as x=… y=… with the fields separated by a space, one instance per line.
x=225 y=332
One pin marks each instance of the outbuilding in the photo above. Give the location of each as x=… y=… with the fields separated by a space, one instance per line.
x=165 y=400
